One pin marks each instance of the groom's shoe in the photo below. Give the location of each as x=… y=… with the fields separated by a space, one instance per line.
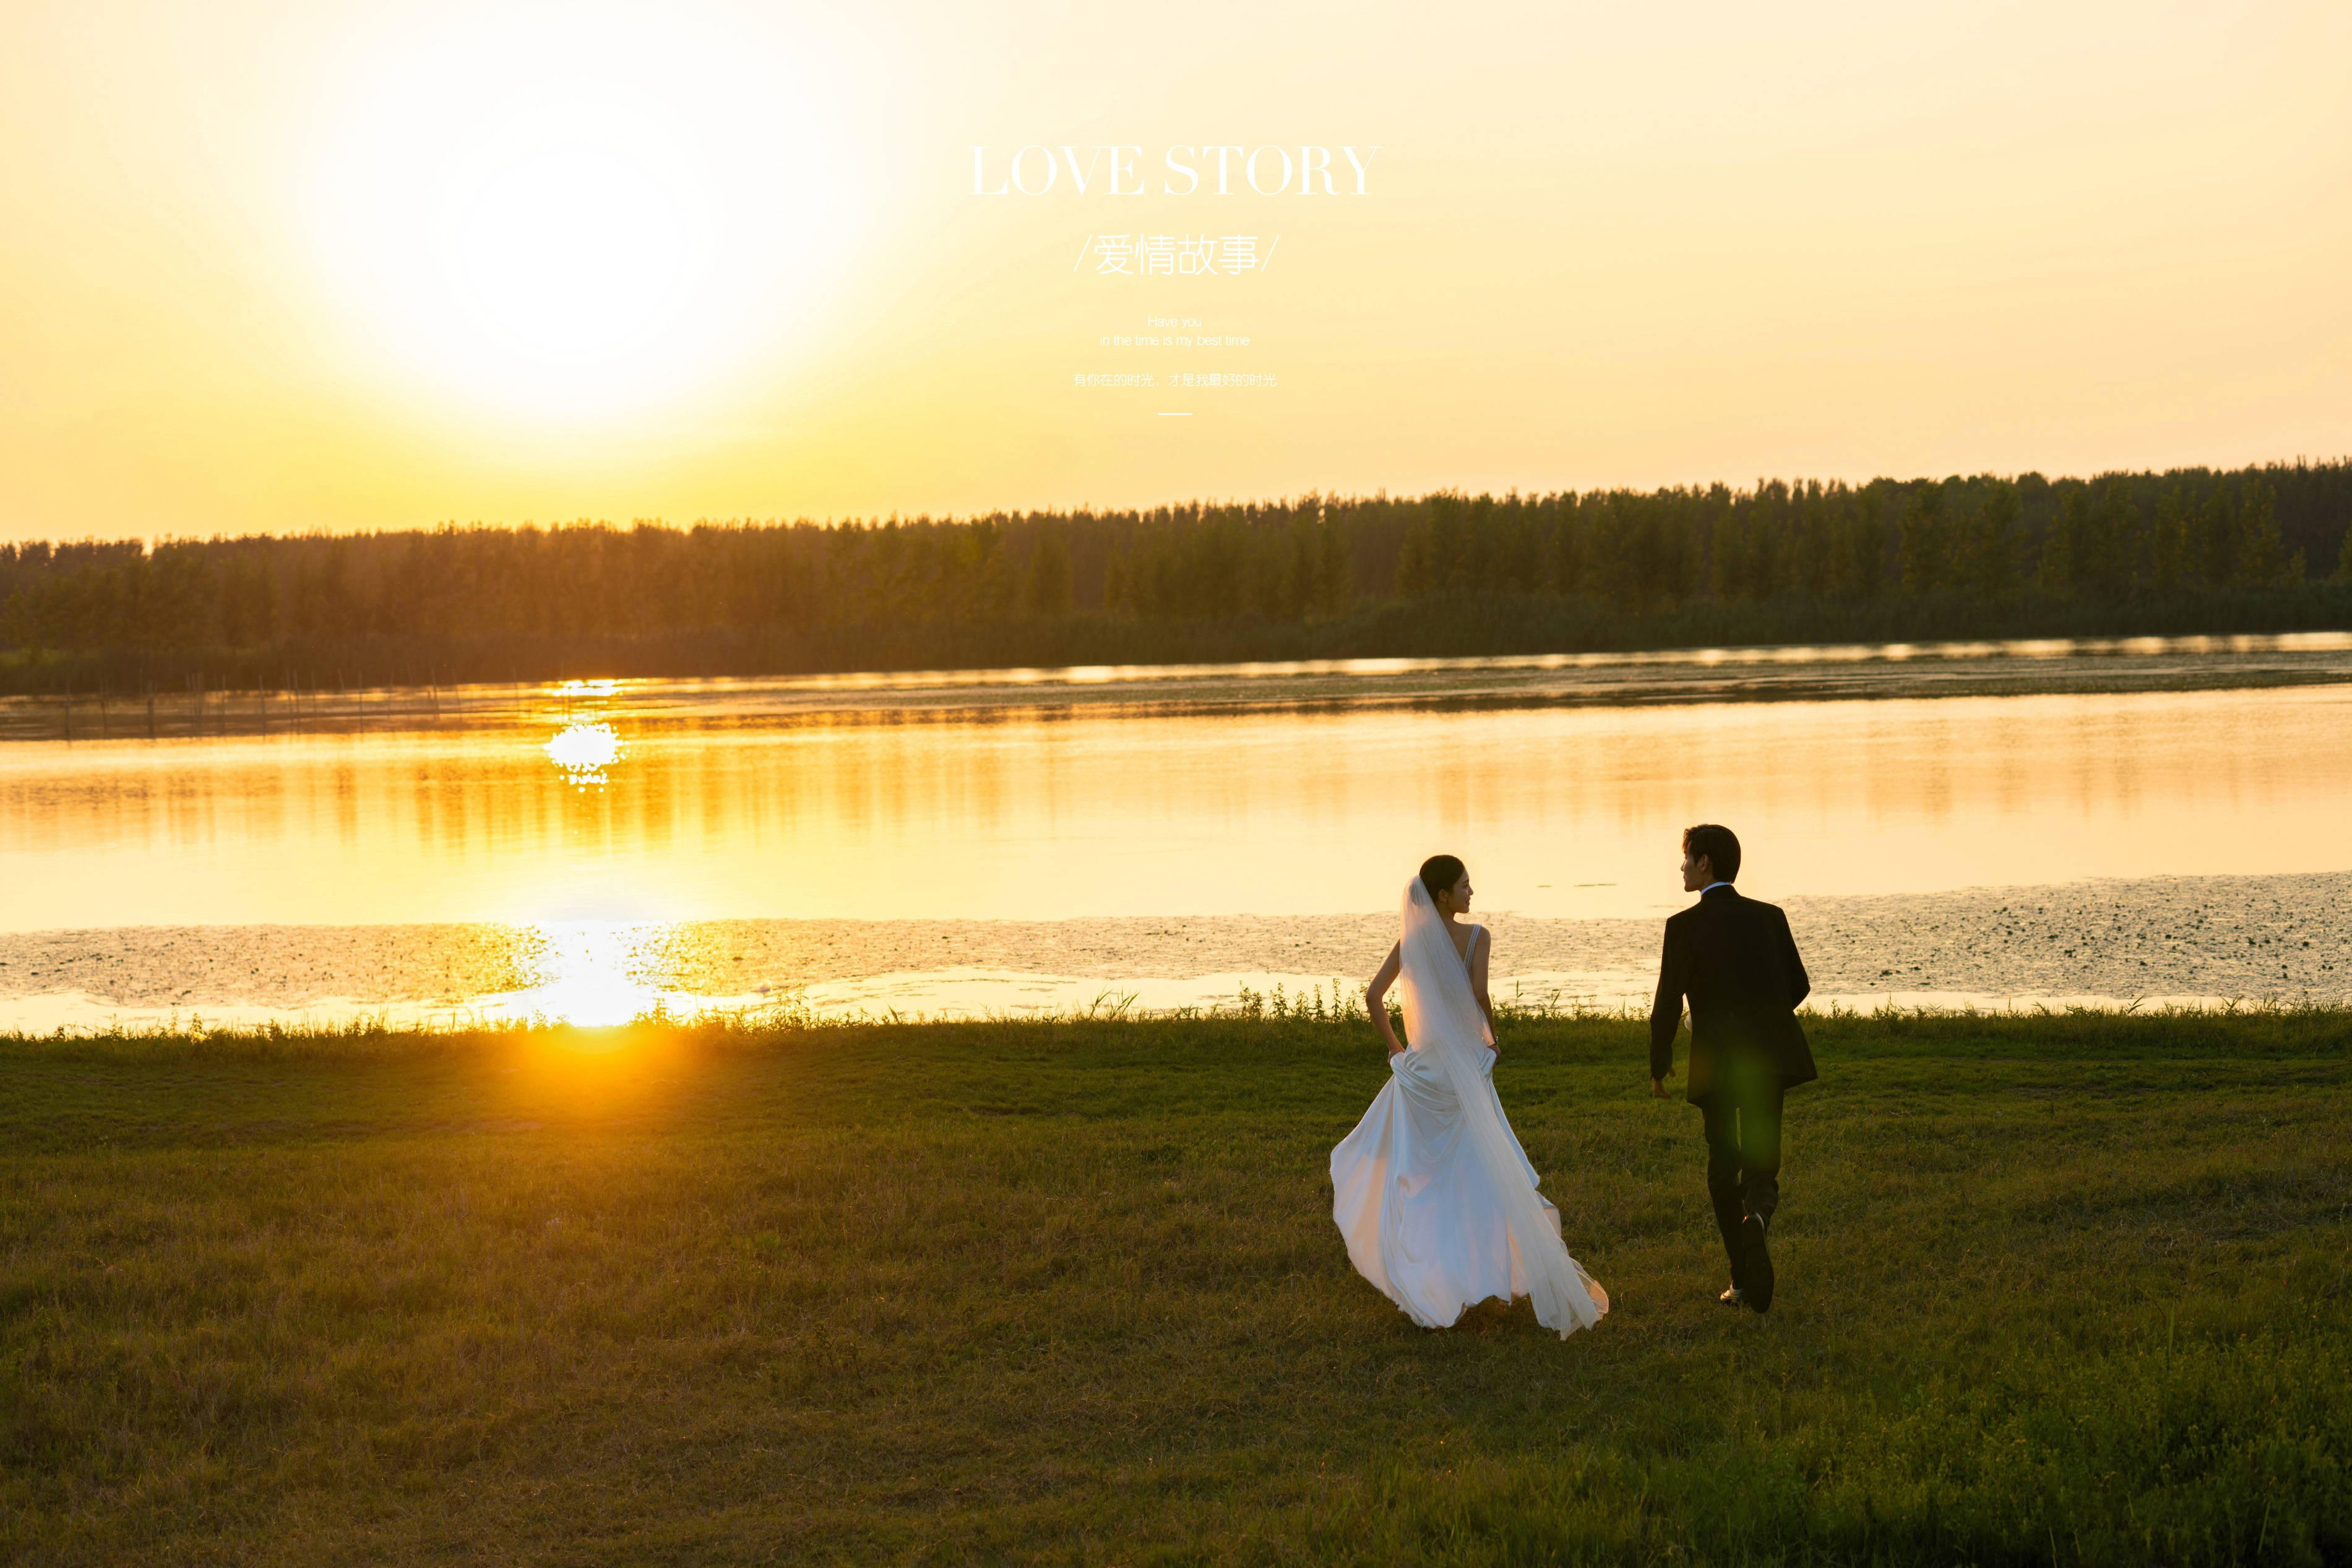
x=1757 y=1273
x=1732 y=1297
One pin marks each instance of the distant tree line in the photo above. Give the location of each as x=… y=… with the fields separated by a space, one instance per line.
x=1967 y=556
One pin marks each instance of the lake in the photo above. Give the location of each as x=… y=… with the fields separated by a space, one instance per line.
x=1023 y=840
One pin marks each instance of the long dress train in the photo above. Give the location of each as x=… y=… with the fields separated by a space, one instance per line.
x=1433 y=1192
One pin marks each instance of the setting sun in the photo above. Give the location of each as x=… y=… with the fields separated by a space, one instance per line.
x=562 y=217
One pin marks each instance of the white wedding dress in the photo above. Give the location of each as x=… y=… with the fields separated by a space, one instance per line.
x=1435 y=1195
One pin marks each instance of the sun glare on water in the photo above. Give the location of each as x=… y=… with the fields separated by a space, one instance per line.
x=571 y=213
x=585 y=752
x=593 y=973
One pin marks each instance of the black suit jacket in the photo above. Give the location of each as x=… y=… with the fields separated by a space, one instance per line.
x=1736 y=962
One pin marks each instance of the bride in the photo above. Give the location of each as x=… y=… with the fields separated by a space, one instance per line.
x=1433 y=1192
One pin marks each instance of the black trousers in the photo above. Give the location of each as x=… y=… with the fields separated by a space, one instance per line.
x=1743 y=1153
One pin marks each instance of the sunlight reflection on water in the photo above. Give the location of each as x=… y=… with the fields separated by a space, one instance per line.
x=586 y=752
x=1562 y=812
x=591 y=973
x=579 y=856
x=596 y=973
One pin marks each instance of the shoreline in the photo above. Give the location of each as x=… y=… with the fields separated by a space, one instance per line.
x=2253 y=940
x=1833 y=1015
x=1667 y=677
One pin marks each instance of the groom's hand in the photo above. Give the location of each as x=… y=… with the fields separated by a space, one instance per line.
x=1658 y=1090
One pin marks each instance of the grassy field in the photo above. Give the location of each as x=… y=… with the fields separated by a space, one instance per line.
x=2051 y=1289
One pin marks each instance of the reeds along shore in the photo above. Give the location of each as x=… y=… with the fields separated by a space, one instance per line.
x=2248 y=1031
x=2186 y=551
x=270 y=703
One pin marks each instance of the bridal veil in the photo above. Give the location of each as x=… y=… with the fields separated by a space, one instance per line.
x=1433 y=1192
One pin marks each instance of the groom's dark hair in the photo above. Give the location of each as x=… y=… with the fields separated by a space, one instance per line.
x=1439 y=873
x=1719 y=845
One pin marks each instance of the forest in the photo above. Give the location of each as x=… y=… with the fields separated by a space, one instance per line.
x=2194 y=550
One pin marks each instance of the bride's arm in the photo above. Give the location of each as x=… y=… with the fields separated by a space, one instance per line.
x=1376 y=999
x=1479 y=986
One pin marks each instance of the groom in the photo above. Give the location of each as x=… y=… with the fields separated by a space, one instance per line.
x=1736 y=962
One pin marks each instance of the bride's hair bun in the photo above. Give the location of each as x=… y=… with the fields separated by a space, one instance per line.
x=1439 y=873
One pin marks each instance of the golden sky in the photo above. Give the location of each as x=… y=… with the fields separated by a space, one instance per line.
x=277 y=266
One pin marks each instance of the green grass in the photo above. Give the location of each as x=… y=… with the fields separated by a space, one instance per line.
x=2072 y=1288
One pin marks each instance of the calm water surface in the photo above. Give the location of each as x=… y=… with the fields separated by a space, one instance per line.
x=601 y=815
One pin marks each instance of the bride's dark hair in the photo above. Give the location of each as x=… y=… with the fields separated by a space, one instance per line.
x=1439 y=873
